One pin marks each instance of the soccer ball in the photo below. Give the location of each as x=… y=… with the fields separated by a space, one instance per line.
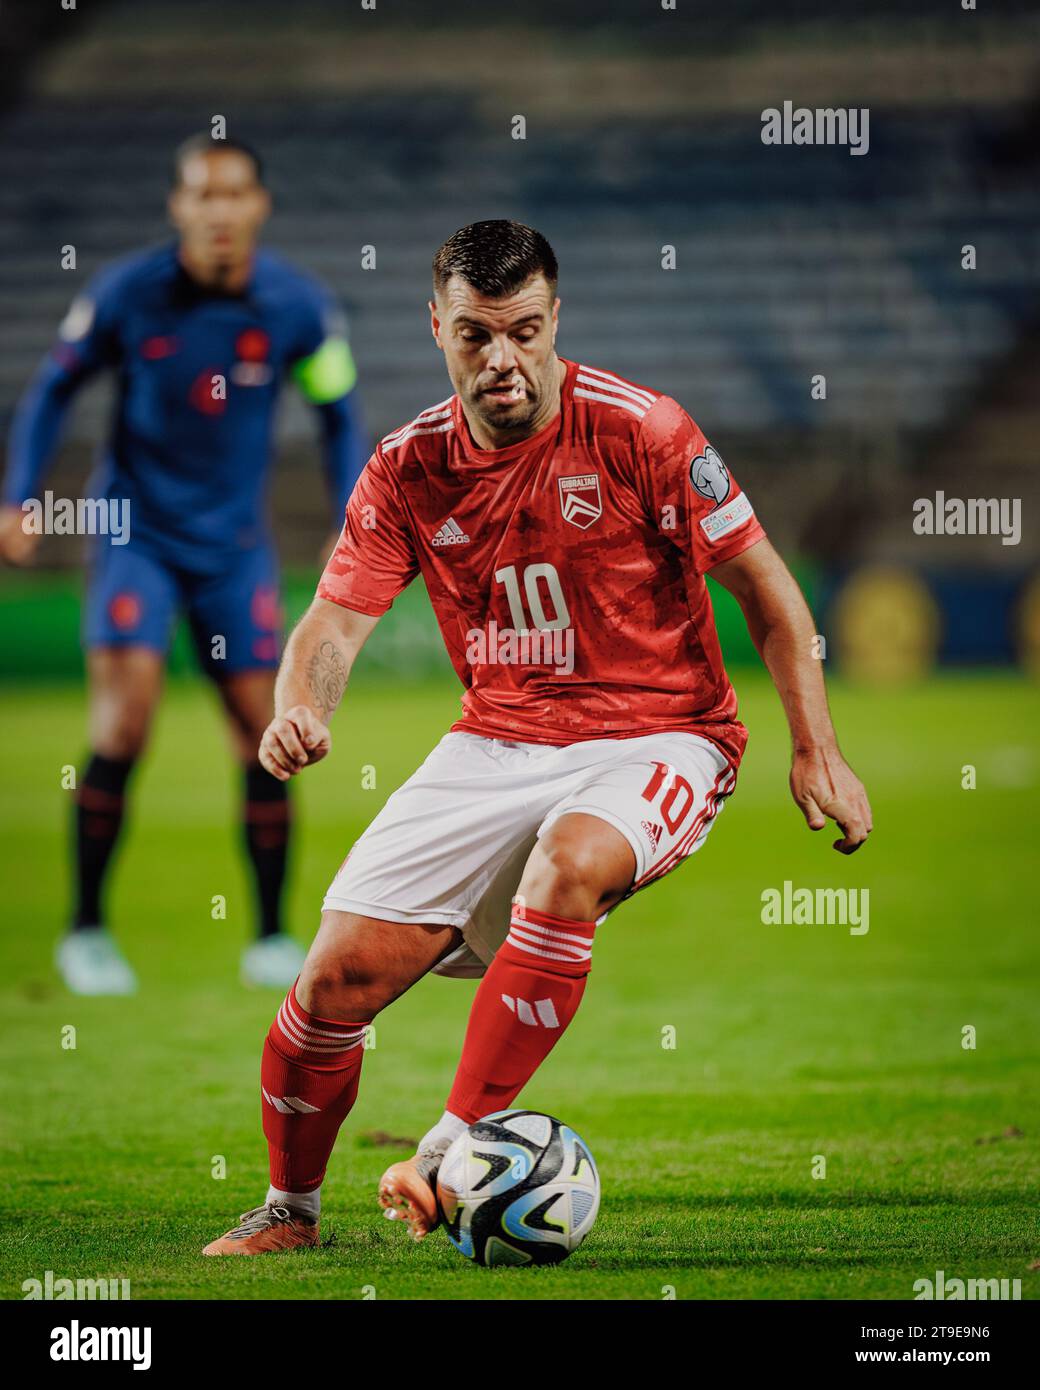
x=518 y=1188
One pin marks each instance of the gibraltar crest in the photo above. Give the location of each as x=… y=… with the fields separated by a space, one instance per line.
x=580 y=501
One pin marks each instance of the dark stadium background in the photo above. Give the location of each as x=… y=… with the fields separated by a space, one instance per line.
x=390 y=128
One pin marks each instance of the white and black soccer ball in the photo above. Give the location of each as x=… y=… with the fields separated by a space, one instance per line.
x=518 y=1188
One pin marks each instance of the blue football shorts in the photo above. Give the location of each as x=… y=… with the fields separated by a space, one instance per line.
x=135 y=596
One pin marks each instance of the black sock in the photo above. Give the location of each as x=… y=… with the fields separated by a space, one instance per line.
x=98 y=818
x=266 y=821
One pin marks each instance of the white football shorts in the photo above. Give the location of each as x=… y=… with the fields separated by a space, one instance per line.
x=450 y=845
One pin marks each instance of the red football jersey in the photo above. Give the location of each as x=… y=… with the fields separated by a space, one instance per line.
x=567 y=571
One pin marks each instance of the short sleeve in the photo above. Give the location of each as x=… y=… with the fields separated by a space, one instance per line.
x=692 y=497
x=374 y=558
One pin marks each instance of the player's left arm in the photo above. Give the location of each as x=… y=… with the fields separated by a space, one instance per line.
x=781 y=627
x=326 y=376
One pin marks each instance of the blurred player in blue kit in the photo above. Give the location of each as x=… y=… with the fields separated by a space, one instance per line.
x=201 y=333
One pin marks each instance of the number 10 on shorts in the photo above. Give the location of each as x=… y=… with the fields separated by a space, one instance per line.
x=678 y=798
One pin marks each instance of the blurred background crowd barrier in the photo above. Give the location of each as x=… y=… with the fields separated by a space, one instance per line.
x=389 y=128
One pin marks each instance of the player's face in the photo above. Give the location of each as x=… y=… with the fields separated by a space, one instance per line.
x=500 y=354
x=218 y=208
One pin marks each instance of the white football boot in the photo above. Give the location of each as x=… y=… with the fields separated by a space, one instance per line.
x=273 y=962
x=90 y=962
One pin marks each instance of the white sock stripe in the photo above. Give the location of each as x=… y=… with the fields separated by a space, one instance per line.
x=608 y=378
x=308 y=1044
x=292 y=1012
x=619 y=388
x=313 y=1044
x=318 y=1049
x=303 y=1041
x=553 y=932
x=576 y=938
x=538 y=951
x=348 y=1031
x=328 y=1049
x=561 y=938
x=323 y=1034
x=570 y=952
x=290 y=1029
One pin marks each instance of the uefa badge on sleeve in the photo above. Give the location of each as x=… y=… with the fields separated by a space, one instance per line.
x=710 y=477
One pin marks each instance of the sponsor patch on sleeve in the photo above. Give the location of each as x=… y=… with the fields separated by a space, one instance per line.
x=727 y=518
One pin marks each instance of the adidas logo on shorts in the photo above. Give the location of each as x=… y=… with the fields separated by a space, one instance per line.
x=654 y=833
x=451 y=533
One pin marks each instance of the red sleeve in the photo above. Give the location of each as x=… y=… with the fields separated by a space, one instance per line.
x=689 y=492
x=374 y=558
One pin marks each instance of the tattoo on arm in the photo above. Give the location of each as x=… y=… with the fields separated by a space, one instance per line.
x=327 y=678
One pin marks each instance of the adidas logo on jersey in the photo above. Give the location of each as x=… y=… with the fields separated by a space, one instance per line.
x=451 y=533
x=542 y=1007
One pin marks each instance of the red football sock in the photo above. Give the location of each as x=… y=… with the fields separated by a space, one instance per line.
x=309 y=1081
x=530 y=993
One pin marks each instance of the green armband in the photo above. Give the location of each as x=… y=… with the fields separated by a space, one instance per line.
x=328 y=373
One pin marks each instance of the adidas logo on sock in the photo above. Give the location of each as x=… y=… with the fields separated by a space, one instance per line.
x=289 y=1105
x=542 y=1007
x=451 y=533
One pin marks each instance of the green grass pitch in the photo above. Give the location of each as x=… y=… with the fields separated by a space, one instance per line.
x=790 y=1041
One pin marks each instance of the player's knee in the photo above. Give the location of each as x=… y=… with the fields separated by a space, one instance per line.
x=249 y=702
x=577 y=870
x=122 y=735
x=246 y=743
x=342 y=983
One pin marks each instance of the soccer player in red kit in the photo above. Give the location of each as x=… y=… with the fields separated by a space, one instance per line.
x=563 y=520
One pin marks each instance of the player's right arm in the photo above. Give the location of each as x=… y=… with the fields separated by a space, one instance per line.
x=87 y=342
x=311 y=682
x=374 y=559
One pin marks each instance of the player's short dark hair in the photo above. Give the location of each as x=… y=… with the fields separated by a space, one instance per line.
x=205 y=144
x=496 y=258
